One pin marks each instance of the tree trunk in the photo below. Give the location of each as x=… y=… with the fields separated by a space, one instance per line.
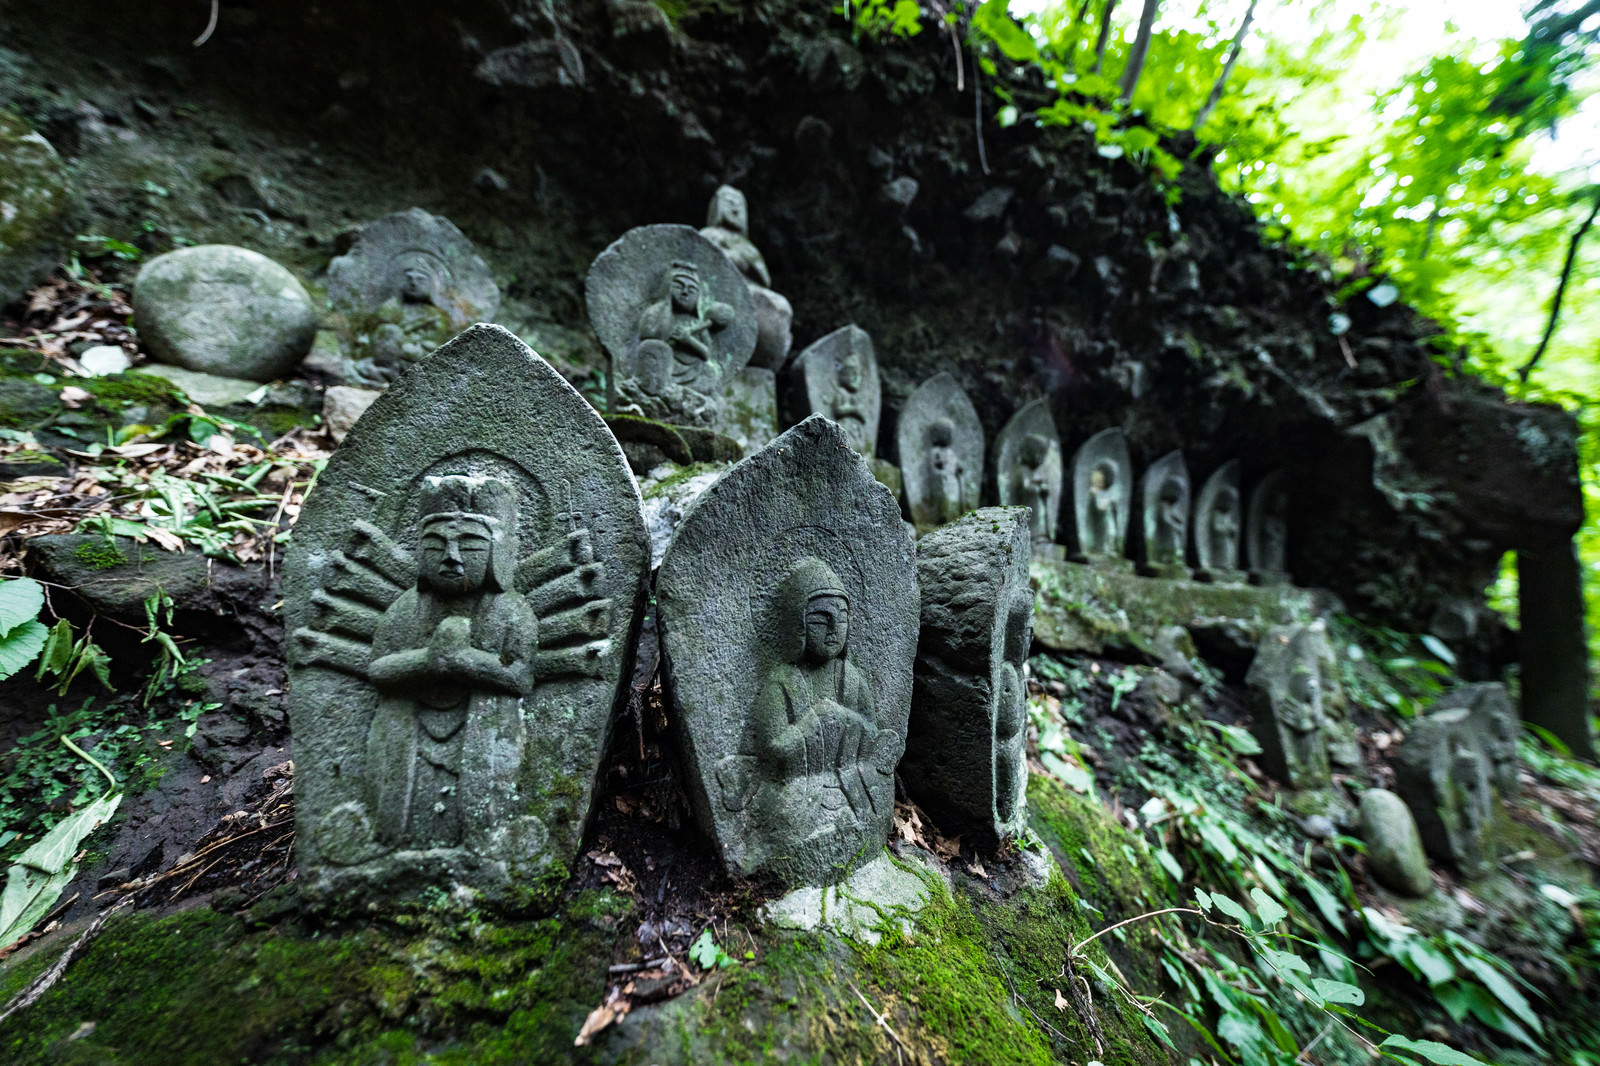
x=1105 y=36
x=1141 y=48
x=1227 y=68
x=1561 y=290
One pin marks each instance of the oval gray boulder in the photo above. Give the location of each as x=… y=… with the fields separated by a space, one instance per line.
x=1394 y=847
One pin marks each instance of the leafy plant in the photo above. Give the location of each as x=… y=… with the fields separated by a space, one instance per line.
x=22 y=635
x=708 y=954
x=65 y=656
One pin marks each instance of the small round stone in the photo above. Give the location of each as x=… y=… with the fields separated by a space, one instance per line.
x=223 y=310
x=1394 y=847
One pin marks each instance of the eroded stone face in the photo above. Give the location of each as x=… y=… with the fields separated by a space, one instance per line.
x=676 y=318
x=939 y=442
x=409 y=282
x=1218 y=518
x=787 y=602
x=461 y=596
x=219 y=309
x=838 y=377
x=1164 y=515
x=1267 y=529
x=1444 y=773
x=966 y=752
x=1028 y=468
x=1102 y=495
x=1285 y=686
x=727 y=226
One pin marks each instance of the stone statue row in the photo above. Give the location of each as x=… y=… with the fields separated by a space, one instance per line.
x=464 y=593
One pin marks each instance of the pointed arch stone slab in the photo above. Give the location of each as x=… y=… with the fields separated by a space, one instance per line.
x=941 y=481
x=540 y=657
x=1102 y=497
x=753 y=558
x=1028 y=468
x=1266 y=530
x=1164 y=508
x=838 y=376
x=1219 y=525
x=966 y=752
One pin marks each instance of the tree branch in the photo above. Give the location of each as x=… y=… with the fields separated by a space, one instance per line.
x=1105 y=36
x=1140 y=49
x=1561 y=290
x=1227 y=68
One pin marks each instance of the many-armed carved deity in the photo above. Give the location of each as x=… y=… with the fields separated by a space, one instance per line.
x=460 y=598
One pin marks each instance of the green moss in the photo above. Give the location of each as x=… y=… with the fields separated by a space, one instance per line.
x=116 y=391
x=100 y=555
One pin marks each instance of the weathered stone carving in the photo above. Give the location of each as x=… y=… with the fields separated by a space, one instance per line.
x=940 y=446
x=1338 y=730
x=727 y=227
x=676 y=319
x=787 y=602
x=838 y=377
x=1285 y=687
x=1267 y=530
x=1491 y=713
x=461 y=597
x=1028 y=468
x=966 y=752
x=409 y=282
x=1443 y=772
x=1217 y=515
x=1164 y=516
x=1102 y=495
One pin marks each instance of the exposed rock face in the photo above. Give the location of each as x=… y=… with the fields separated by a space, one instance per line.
x=342 y=405
x=966 y=754
x=36 y=207
x=788 y=611
x=461 y=596
x=223 y=310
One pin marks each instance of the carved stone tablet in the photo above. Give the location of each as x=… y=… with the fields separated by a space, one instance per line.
x=1285 y=691
x=460 y=600
x=788 y=610
x=1102 y=495
x=1267 y=530
x=966 y=753
x=409 y=282
x=1028 y=468
x=727 y=227
x=1164 y=516
x=940 y=445
x=676 y=318
x=1492 y=714
x=1443 y=773
x=838 y=376
x=1217 y=515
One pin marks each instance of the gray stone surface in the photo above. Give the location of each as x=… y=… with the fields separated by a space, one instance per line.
x=1443 y=773
x=1164 y=504
x=1491 y=713
x=342 y=405
x=207 y=390
x=939 y=442
x=750 y=408
x=223 y=310
x=1028 y=468
x=676 y=318
x=460 y=597
x=668 y=491
x=727 y=226
x=409 y=282
x=788 y=610
x=36 y=208
x=1338 y=728
x=1267 y=529
x=1102 y=496
x=115 y=575
x=879 y=897
x=966 y=760
x=1284 y=688
x=1394 y=847
x=837 y=376
x=1218 y=520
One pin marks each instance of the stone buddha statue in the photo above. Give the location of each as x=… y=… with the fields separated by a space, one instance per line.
x=945 y=471
x=727 y=227
x=1035 y=481
x=452 y=659
x=848 y=409
x=826 y=763
x=1105 y=510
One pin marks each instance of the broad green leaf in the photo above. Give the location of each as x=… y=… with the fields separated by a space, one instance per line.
x=57 y=651
x=1326 y=902
x=40 y=873
x=1338 y=992
x=21 y=599
x=1240 y=740
x=18 y=647
x=1231 y=909
x=1435 y=1052
x=1218 y=841
x=1285 y=962
x=1203 y=899
x=1268 y=910
x=1170 y=864
x=1501 y=987
x=993 y=21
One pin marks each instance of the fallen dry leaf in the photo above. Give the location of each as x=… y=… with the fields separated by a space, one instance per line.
x=1061 y=1001
x=73 y=397
x=612 y=1008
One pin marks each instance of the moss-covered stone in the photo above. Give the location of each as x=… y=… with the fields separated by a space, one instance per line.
x=35 y=207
